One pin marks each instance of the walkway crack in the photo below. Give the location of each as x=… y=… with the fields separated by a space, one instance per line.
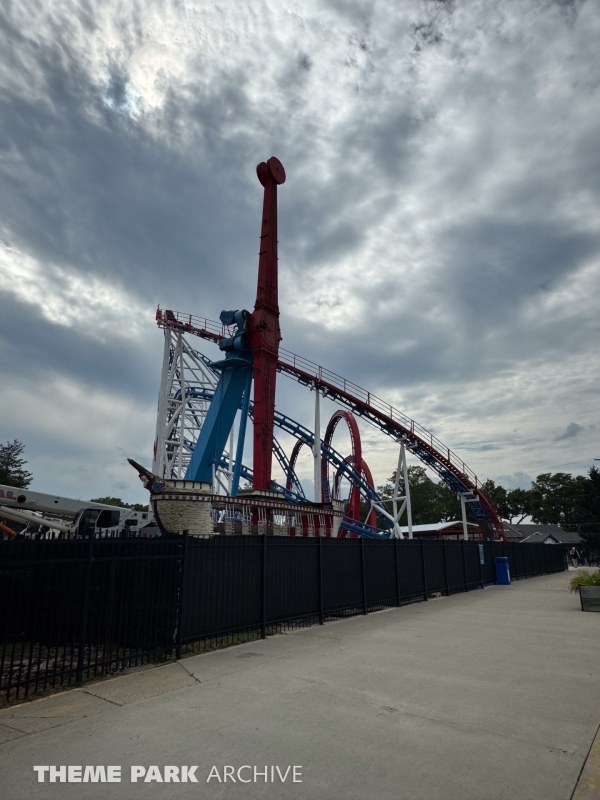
x=189 y=673
x=12 y=728
x=99 y=697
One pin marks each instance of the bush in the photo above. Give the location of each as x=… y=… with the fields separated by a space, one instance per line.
x=585 y=578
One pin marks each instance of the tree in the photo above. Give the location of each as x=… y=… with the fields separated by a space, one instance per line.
x=498 y=495
x=590 y=499
x=589 y=512
x=116 y=501
x=513 y=505
x=558 y=499
x=110 y=501
x=11 y=465
x=430 y=501
x=518 y=504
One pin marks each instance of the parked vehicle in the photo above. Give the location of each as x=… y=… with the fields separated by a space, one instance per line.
x=51 y=516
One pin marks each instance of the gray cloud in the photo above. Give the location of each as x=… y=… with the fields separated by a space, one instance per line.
x=572 y=430
x=519 y=480
x=438 y=235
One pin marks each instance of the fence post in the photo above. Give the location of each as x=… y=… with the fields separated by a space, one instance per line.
x=263 y=627
x=424 y=568
x=85 y=610
x=364 y=580
x=179 y=639
x=464 y=560
x=445 y=567
x=320 y=580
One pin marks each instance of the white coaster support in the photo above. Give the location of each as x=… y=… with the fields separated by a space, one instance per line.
x=465 y=497
x=394 y=517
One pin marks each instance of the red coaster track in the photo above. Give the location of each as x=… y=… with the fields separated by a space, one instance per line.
x=353 y=510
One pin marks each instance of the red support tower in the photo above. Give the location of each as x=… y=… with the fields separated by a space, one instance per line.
x=263 y=326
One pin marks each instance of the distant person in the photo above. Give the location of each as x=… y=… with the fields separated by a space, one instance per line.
x=574 y=553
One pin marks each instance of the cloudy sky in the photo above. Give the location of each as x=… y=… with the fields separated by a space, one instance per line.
x=439 y=228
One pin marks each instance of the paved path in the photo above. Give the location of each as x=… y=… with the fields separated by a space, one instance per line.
x=488 y=695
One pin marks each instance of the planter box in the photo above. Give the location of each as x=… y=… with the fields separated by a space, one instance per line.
x=590 y=598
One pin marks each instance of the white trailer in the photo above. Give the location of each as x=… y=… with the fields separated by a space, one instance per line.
x=80 y=517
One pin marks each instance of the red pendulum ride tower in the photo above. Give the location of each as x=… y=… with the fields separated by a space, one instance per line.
x=263 y=326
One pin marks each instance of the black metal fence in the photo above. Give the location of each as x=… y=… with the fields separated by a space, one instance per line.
x=74 y=610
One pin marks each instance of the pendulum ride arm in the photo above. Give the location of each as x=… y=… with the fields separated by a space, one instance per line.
x=231 y=391
x=263 y=326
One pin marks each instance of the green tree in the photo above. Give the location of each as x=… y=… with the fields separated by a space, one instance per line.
x=589 y=513
x=513 y=505
x=589 y=509
x=12 y=472
x=498 y=496
x=558 y=499
x=430 y=501
x=518 y=505
x=116 y=501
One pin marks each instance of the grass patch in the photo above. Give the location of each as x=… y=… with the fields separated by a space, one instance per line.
x=213 y=643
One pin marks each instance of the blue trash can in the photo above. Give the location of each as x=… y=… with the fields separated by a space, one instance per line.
x=502 y=571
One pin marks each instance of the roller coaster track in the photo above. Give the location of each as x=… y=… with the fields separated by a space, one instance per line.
x=303 y=436
x=417 y=439
x=344 y=467
x=333 y=457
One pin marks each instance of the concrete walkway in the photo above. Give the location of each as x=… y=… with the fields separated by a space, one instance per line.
x=491 y=694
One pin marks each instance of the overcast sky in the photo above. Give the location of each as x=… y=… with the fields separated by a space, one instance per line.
x=439 y=228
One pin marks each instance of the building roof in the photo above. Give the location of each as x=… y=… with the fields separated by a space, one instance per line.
x=512 y=533
x=531 y=533
x=540 y=538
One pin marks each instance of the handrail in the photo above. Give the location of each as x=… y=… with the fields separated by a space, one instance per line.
x=194 y=324
x=370 y=400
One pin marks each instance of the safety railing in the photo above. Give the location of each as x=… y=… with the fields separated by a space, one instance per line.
x=371 y=401
x=193 y=323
